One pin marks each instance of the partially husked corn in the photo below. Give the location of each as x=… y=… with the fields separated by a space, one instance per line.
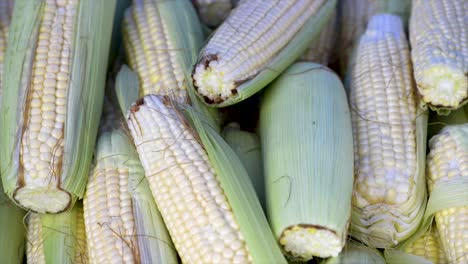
x=439 y=42
x=185 y=186
x=123 y=224
x=42 y=138
x=110 y=225
x=428 y=246
x=113 y=236
x=246 y=51
x=35 y=248
x=389 y=135
x=57 y=238
x=150 y=50
x=56 y=61
x=158 y=190
x=158 y=48
x=448 y=161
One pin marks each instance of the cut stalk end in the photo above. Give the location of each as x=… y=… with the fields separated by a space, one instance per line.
x=302 y=242
x=43 y=199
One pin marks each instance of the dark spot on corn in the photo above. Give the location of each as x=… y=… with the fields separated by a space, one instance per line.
x=137 y=104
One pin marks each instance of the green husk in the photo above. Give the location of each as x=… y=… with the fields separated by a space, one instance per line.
x=12 y=230
x=246 y=145
x=115 y=150
x=357 y=253
x=398 y=256
x=295 y=48
x=60 y=241
x=234 y=179
x=126 y=88
x=87 y=82
x=307 y=147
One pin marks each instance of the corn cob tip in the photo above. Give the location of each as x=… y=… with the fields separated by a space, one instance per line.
x=212 y=84
x=444 y=87
x=297 y=241
x=43 y=199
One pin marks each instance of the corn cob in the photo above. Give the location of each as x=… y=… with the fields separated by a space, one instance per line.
x=6 y=8
x=353 y=16
x=321 y=50
x=230 y=226
x=12 y=231
x=162 y=39
x=55 y=63
x=428 y=246
x=57 y=238
x=213 y=12
x=123 y=223
x=356 y=253
x=389 y=137
x=439 y=41
x=247 y=147
x=215 y=227
x=447 y=162
x=316 y=156
x=249 y=49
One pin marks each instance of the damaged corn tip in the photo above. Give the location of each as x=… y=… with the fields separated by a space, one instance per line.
x=448 y=161
x=439 y=41
x=185 y=186
x=389 y=192
x=246 y=42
